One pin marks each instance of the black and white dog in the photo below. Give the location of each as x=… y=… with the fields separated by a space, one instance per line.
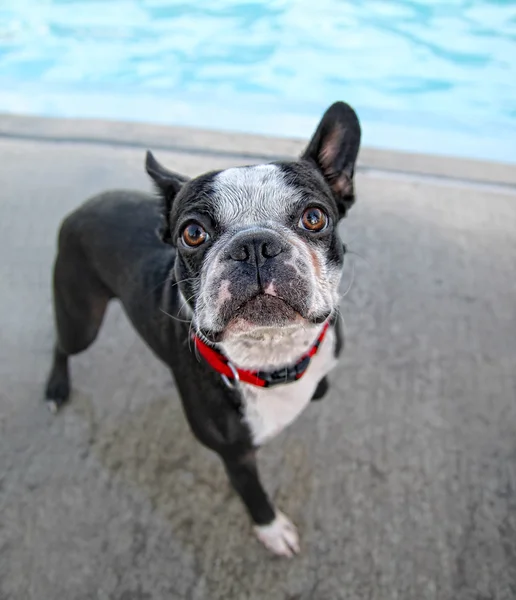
x=238 y=294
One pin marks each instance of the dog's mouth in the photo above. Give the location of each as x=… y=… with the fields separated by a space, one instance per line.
x=261 y=314
x=266 y=310
x=257 y=314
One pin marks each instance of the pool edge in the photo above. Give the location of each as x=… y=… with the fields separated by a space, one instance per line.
x=255 y=147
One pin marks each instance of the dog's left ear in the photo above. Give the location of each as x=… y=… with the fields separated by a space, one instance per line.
x=168 y=185
x=334 y=149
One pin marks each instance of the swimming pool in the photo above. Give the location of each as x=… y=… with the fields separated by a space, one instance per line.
x=429 y=76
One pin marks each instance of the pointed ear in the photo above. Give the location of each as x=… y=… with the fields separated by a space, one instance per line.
x=334 y=149
x=167 y=184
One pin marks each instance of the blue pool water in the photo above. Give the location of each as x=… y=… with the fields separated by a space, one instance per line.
x=431 y=76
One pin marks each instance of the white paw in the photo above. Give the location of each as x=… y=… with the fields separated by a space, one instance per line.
x=280 y=536
x=52 y=406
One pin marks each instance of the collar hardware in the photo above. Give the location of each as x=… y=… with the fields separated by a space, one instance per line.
x=233 y=376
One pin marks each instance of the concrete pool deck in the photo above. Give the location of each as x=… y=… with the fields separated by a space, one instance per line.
x=402 y=481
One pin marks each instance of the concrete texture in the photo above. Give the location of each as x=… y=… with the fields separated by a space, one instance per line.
x=238 y=145
x=402 y=481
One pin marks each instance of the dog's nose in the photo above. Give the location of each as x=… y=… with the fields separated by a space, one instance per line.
x=255 y=248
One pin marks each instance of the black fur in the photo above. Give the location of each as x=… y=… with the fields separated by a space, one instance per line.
x=334 y=149
x=108 y=248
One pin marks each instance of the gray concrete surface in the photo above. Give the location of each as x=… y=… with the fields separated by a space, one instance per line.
x=402 y=482
x=239 y=145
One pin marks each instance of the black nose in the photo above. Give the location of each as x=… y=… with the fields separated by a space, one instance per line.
x=255 y=248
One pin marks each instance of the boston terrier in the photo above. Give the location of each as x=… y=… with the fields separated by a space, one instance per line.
x=232 y=279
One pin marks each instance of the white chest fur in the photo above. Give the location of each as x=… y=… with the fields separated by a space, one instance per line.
x=267 y=411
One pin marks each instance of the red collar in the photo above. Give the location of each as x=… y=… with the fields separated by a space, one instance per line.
x=233 y=375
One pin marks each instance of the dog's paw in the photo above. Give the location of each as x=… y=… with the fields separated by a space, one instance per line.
x=280 y=536
x=57 y=390
x=321 y=389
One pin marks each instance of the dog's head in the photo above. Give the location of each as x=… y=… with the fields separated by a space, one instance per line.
x=258 y=251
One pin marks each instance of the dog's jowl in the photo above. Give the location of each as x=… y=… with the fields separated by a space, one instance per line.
x=247 y=262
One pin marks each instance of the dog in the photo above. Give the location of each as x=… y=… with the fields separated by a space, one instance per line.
x=232 y=280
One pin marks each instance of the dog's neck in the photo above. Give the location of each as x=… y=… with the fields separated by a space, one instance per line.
x=270 y=348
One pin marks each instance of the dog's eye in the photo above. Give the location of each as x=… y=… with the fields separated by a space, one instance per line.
x=313 y=219
x=194 y=235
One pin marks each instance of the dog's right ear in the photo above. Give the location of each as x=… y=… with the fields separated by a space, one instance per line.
x=167 y=184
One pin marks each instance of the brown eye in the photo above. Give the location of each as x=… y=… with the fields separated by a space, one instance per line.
x=194 y=235
x=313 y=219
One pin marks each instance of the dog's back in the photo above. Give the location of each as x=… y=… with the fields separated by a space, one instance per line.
x=114 y=232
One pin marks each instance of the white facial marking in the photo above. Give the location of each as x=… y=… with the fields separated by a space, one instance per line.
x=270 y=289
x=224 y=293
x=267 y=411
x=280 y=536
x=270 y=347
x=252 y=195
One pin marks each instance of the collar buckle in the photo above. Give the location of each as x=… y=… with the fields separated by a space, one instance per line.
x=285 y=375
x=231 y=384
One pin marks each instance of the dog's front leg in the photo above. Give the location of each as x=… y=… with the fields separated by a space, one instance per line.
x=271 y=526
x=321 y=389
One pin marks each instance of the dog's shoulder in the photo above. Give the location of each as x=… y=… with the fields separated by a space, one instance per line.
x=118 y=213
x=118 y=204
